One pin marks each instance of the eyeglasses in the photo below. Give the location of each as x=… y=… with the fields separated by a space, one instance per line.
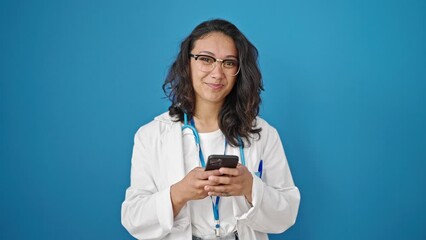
x=206 y=63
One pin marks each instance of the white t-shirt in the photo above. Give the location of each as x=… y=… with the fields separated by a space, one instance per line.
x=202 y=219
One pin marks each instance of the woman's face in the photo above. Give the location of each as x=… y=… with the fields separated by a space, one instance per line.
x=213 y=86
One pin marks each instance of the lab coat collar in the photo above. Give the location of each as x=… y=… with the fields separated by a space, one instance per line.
x=166 y=118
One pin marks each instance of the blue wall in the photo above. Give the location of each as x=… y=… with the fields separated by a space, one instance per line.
x=344 y=86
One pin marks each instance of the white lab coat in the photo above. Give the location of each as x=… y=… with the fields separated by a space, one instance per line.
x=157 y=163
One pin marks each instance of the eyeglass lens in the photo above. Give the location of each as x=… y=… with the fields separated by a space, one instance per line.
x=207 y=63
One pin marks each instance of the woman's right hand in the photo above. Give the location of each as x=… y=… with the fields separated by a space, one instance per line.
x=191 y=187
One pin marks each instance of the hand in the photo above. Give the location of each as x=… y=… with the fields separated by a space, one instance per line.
x=233 y=182
x=191 y=187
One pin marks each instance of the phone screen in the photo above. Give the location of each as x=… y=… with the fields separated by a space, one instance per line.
x=217 y=161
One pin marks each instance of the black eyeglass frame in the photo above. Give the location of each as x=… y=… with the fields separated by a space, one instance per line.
x=222 y=61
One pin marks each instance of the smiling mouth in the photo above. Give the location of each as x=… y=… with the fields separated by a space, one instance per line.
x=215 y=86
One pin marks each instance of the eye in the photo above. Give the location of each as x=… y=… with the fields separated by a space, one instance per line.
x=206 y=59
x=230 y=63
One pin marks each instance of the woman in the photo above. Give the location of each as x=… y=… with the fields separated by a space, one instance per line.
x=214 y=87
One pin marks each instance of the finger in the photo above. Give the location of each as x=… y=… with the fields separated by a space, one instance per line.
x=220 y=180
x=212 y=183
x=206 y=174
x=220 y=194
x=202 y=183
x=229 y=171
x=217 y=194
x=225 y=194
x=217 y=189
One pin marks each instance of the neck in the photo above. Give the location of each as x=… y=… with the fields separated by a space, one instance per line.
x=206 y=117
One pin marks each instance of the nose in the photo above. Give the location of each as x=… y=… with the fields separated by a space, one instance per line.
x=217 y=71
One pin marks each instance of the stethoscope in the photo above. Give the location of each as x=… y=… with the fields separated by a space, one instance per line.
x=215 y=203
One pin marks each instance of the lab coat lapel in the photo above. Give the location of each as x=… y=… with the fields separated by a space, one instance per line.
x=172 y=149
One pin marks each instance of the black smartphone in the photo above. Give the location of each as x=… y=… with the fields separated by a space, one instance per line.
x=218 y=161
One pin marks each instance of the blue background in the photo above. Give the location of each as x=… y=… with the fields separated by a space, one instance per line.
x=344 y=86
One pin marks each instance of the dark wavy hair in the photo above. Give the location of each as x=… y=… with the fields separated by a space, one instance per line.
x=237 y=117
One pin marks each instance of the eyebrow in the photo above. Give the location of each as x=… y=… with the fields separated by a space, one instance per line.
x=210 y=53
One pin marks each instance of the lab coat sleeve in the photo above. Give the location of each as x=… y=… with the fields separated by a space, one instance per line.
x=275 y=198
x=147 y=211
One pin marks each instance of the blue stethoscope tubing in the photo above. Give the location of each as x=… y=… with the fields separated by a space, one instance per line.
x=215 y=204
x=197 y=140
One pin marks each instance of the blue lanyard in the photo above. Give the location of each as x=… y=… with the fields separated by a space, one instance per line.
x=215 y=204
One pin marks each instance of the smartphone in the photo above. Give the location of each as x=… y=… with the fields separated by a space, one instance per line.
x=217 y=161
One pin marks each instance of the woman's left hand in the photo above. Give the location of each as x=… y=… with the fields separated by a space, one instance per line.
x=233 y=182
